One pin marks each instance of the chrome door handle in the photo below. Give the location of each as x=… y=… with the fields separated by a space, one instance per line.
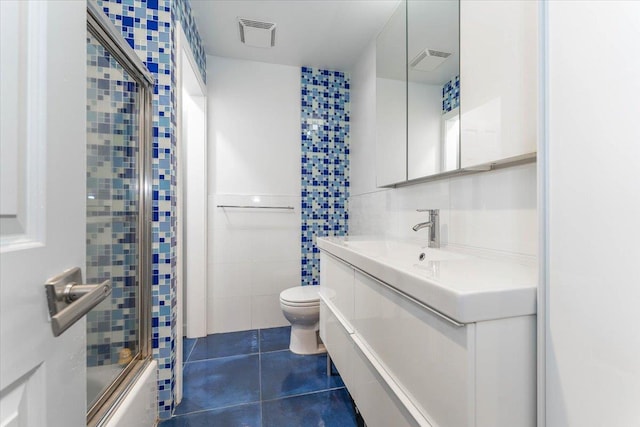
x=68 y=299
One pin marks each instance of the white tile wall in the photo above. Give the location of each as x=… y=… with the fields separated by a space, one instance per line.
x=254 y=127
x=254 y=123
x=254 y=255
x=492 y=210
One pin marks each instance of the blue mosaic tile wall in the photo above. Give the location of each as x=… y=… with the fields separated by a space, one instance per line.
x=325 y=162
x=184 y=16
x=149 y=27
x=112 y=205
x=451 y=95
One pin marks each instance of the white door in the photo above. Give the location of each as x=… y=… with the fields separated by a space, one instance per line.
x=42 y=217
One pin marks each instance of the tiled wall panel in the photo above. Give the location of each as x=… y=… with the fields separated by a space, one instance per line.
x=183 y=15
x=149 y=27
x=325 y=162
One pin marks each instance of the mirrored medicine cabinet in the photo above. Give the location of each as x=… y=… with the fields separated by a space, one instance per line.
x=456 y=88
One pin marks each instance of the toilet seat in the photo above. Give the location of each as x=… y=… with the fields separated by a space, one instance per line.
x=300 y=296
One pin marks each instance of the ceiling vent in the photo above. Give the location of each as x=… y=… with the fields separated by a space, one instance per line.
x=257 y=33
x=428 y=60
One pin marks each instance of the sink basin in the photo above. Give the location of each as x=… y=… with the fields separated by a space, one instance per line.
x=401 y=251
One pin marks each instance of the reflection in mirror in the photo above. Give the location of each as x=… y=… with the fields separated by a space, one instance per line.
x=433 y=93
x=391 y=100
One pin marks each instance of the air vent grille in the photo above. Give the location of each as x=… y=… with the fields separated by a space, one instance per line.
x=428 y=60
x=257 y=33
x=439 y=54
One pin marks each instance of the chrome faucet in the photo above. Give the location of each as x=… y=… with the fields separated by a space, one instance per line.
x=434 y=226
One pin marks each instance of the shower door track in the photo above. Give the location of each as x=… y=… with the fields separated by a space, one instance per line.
x=101 y=27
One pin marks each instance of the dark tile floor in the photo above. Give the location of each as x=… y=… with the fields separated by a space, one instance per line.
x=251 y=379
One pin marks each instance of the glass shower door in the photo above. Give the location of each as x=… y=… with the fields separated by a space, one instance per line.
x=117 y=210
x=112 y=217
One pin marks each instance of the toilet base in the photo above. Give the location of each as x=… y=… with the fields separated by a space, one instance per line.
x=305 y=340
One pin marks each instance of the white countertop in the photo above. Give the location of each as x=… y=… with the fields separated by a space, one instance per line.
x=468 y=288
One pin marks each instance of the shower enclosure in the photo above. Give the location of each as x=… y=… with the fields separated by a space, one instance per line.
x=118 y=205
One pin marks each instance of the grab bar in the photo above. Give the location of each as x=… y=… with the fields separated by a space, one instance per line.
x=256 y=207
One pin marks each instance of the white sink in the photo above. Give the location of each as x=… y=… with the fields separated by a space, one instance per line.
x=464 y=287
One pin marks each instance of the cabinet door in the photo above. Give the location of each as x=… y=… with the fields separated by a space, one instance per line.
x=498 y=80
x=429 y=358
x=391 y=100
x=433 y=53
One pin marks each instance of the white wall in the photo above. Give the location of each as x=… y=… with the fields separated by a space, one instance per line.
x=254 y=131
x=593 y=289
x=494 y=210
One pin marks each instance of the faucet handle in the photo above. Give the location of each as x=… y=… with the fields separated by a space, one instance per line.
x=431 y=211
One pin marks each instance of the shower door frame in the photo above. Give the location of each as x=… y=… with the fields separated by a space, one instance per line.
x=101 y=27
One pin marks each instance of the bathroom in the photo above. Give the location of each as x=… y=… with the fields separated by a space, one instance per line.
x=237 y=190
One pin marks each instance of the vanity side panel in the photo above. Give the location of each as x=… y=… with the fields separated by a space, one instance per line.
x=425 y=355
x=506 y=372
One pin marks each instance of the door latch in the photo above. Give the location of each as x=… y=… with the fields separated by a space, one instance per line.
x=68 y=299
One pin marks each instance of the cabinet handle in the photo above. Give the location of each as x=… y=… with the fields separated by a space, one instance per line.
x=399 y=292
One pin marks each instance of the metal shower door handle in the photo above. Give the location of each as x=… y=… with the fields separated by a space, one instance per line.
x=68 y=299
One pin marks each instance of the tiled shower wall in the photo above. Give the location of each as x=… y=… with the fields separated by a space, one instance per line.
x=325 y=162
x=148 y=26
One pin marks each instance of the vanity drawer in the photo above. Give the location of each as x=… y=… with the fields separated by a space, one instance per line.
x=338 y=343
x=336 y=285
x=378 y=404
x=429 y=358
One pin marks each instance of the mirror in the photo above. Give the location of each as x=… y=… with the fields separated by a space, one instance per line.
x=433 y=88
x=418 y=92
x=391 y=100
x=422 y=131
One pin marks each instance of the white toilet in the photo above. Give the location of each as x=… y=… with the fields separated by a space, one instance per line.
x=301 y=307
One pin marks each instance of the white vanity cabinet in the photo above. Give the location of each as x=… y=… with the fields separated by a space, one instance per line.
x=407 y=364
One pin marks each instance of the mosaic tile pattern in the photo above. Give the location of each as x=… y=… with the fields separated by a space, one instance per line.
x=149 y=27
x=325 y=162
x=185 y=17
x=451 y=95
x=112 y=205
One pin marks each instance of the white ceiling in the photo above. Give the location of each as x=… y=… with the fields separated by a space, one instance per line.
x=328 y=34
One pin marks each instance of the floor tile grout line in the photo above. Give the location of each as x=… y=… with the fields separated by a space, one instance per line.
x=237 y=355
x=221 y=357
x=260 y=374
x=216 y=409
x=260 y=383
x=258 y=402
x=305 y=394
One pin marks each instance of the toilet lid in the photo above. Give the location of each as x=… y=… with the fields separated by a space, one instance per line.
x=300 y=294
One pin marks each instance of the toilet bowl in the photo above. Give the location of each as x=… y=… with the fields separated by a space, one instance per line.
x=301 y=307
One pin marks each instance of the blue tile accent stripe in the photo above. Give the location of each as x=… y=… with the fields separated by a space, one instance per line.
x=185 y=17
x=325 y=162
x=451 y=95
x=149 y=27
